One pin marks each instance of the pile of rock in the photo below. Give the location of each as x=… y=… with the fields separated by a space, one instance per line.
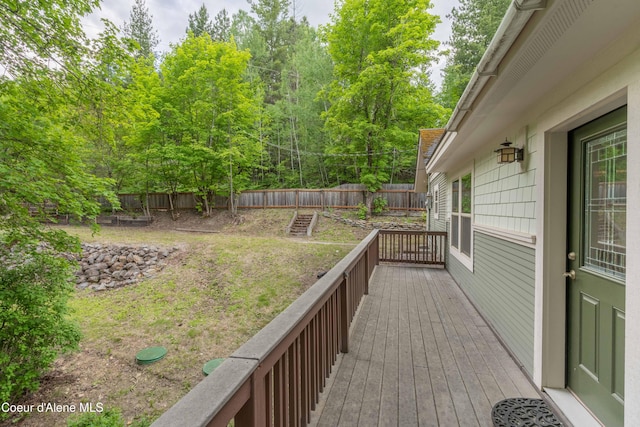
x=381 y=225
x=105 y=267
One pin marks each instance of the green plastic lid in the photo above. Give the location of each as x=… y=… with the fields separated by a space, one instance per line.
x=150 y=355
x=211 y=365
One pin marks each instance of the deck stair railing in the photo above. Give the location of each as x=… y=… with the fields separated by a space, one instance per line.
x=415 y=247
x=276 y=377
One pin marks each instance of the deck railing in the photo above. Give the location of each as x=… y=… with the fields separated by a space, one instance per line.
x=418 y=247
x=276 y=377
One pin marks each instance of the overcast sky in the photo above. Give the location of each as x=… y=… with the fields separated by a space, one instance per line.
x=170 y=17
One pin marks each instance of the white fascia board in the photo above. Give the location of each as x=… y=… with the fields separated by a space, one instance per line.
x=442 y=148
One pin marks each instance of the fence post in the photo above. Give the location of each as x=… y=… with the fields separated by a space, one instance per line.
x=408 y=203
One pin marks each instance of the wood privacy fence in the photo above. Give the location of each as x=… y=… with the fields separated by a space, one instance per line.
x=339 y=198
x=275 y=378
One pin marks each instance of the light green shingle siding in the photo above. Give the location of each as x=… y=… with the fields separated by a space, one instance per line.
x=440 y=224
x=502 y=288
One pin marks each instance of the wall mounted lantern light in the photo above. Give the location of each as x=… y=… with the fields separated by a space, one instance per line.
x=428 y=202
x=509 y=154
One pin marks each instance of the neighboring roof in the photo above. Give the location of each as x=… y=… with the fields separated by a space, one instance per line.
x=427 y=143
x=539 y=45
x=429 y=139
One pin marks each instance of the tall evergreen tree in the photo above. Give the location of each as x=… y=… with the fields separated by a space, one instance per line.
x=221 y=28
x=474 y=22
x=274 y=26
x=308 y=71
x=200 y=22
x=140 y=29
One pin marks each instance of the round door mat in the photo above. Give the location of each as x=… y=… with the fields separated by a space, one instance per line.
x=150 y=355
x=520 y=411
x=211 y=365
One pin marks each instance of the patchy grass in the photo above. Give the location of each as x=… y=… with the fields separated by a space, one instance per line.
x=217 y=291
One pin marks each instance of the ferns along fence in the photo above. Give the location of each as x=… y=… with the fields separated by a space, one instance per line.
x=398 y=199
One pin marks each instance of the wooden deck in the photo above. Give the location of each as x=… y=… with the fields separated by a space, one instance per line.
x=419 y=355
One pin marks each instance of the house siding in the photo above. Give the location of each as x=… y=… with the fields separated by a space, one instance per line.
x=559 y=74
x=505 y=194
x=440 y=223
x=501 y=286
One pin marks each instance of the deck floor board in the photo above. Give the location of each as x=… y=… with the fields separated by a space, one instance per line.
x=420 y=355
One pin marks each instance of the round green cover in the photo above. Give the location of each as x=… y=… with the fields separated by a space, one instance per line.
x=211 y=365
x=150 y=355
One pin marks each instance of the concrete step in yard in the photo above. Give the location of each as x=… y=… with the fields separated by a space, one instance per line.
x=300 y=225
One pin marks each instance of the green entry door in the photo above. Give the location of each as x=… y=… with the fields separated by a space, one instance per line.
x=596 y=265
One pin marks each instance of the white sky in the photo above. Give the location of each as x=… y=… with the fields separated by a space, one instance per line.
x=170 y=17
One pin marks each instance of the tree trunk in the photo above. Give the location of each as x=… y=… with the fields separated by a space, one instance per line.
x=369 y=202
x=174 y=213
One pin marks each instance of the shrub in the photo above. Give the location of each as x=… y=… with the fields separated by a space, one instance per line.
x=379 y=205
x=362 y=211
x=109 y=418
x=35 y=285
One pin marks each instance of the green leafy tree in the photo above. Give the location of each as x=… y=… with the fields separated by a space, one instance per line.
x=34 y=36
x=207 y=117
x=474 y=22
x=140 y=29
x=42 y=173
x=242 y=30
x=200 y=22
x=377 y=47
x=143 y=98
x=103 y=109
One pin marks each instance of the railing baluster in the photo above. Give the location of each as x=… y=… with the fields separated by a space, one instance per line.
x=344 y=317
x=304 y=373
x=313 y=349
x=278 y=394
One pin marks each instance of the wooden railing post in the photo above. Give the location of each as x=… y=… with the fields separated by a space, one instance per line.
x=253 y=413
x=344 y=314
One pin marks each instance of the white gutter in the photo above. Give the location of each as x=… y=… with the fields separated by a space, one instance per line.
x=516 y=17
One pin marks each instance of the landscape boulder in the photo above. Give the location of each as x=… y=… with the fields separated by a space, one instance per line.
x=105 y=267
